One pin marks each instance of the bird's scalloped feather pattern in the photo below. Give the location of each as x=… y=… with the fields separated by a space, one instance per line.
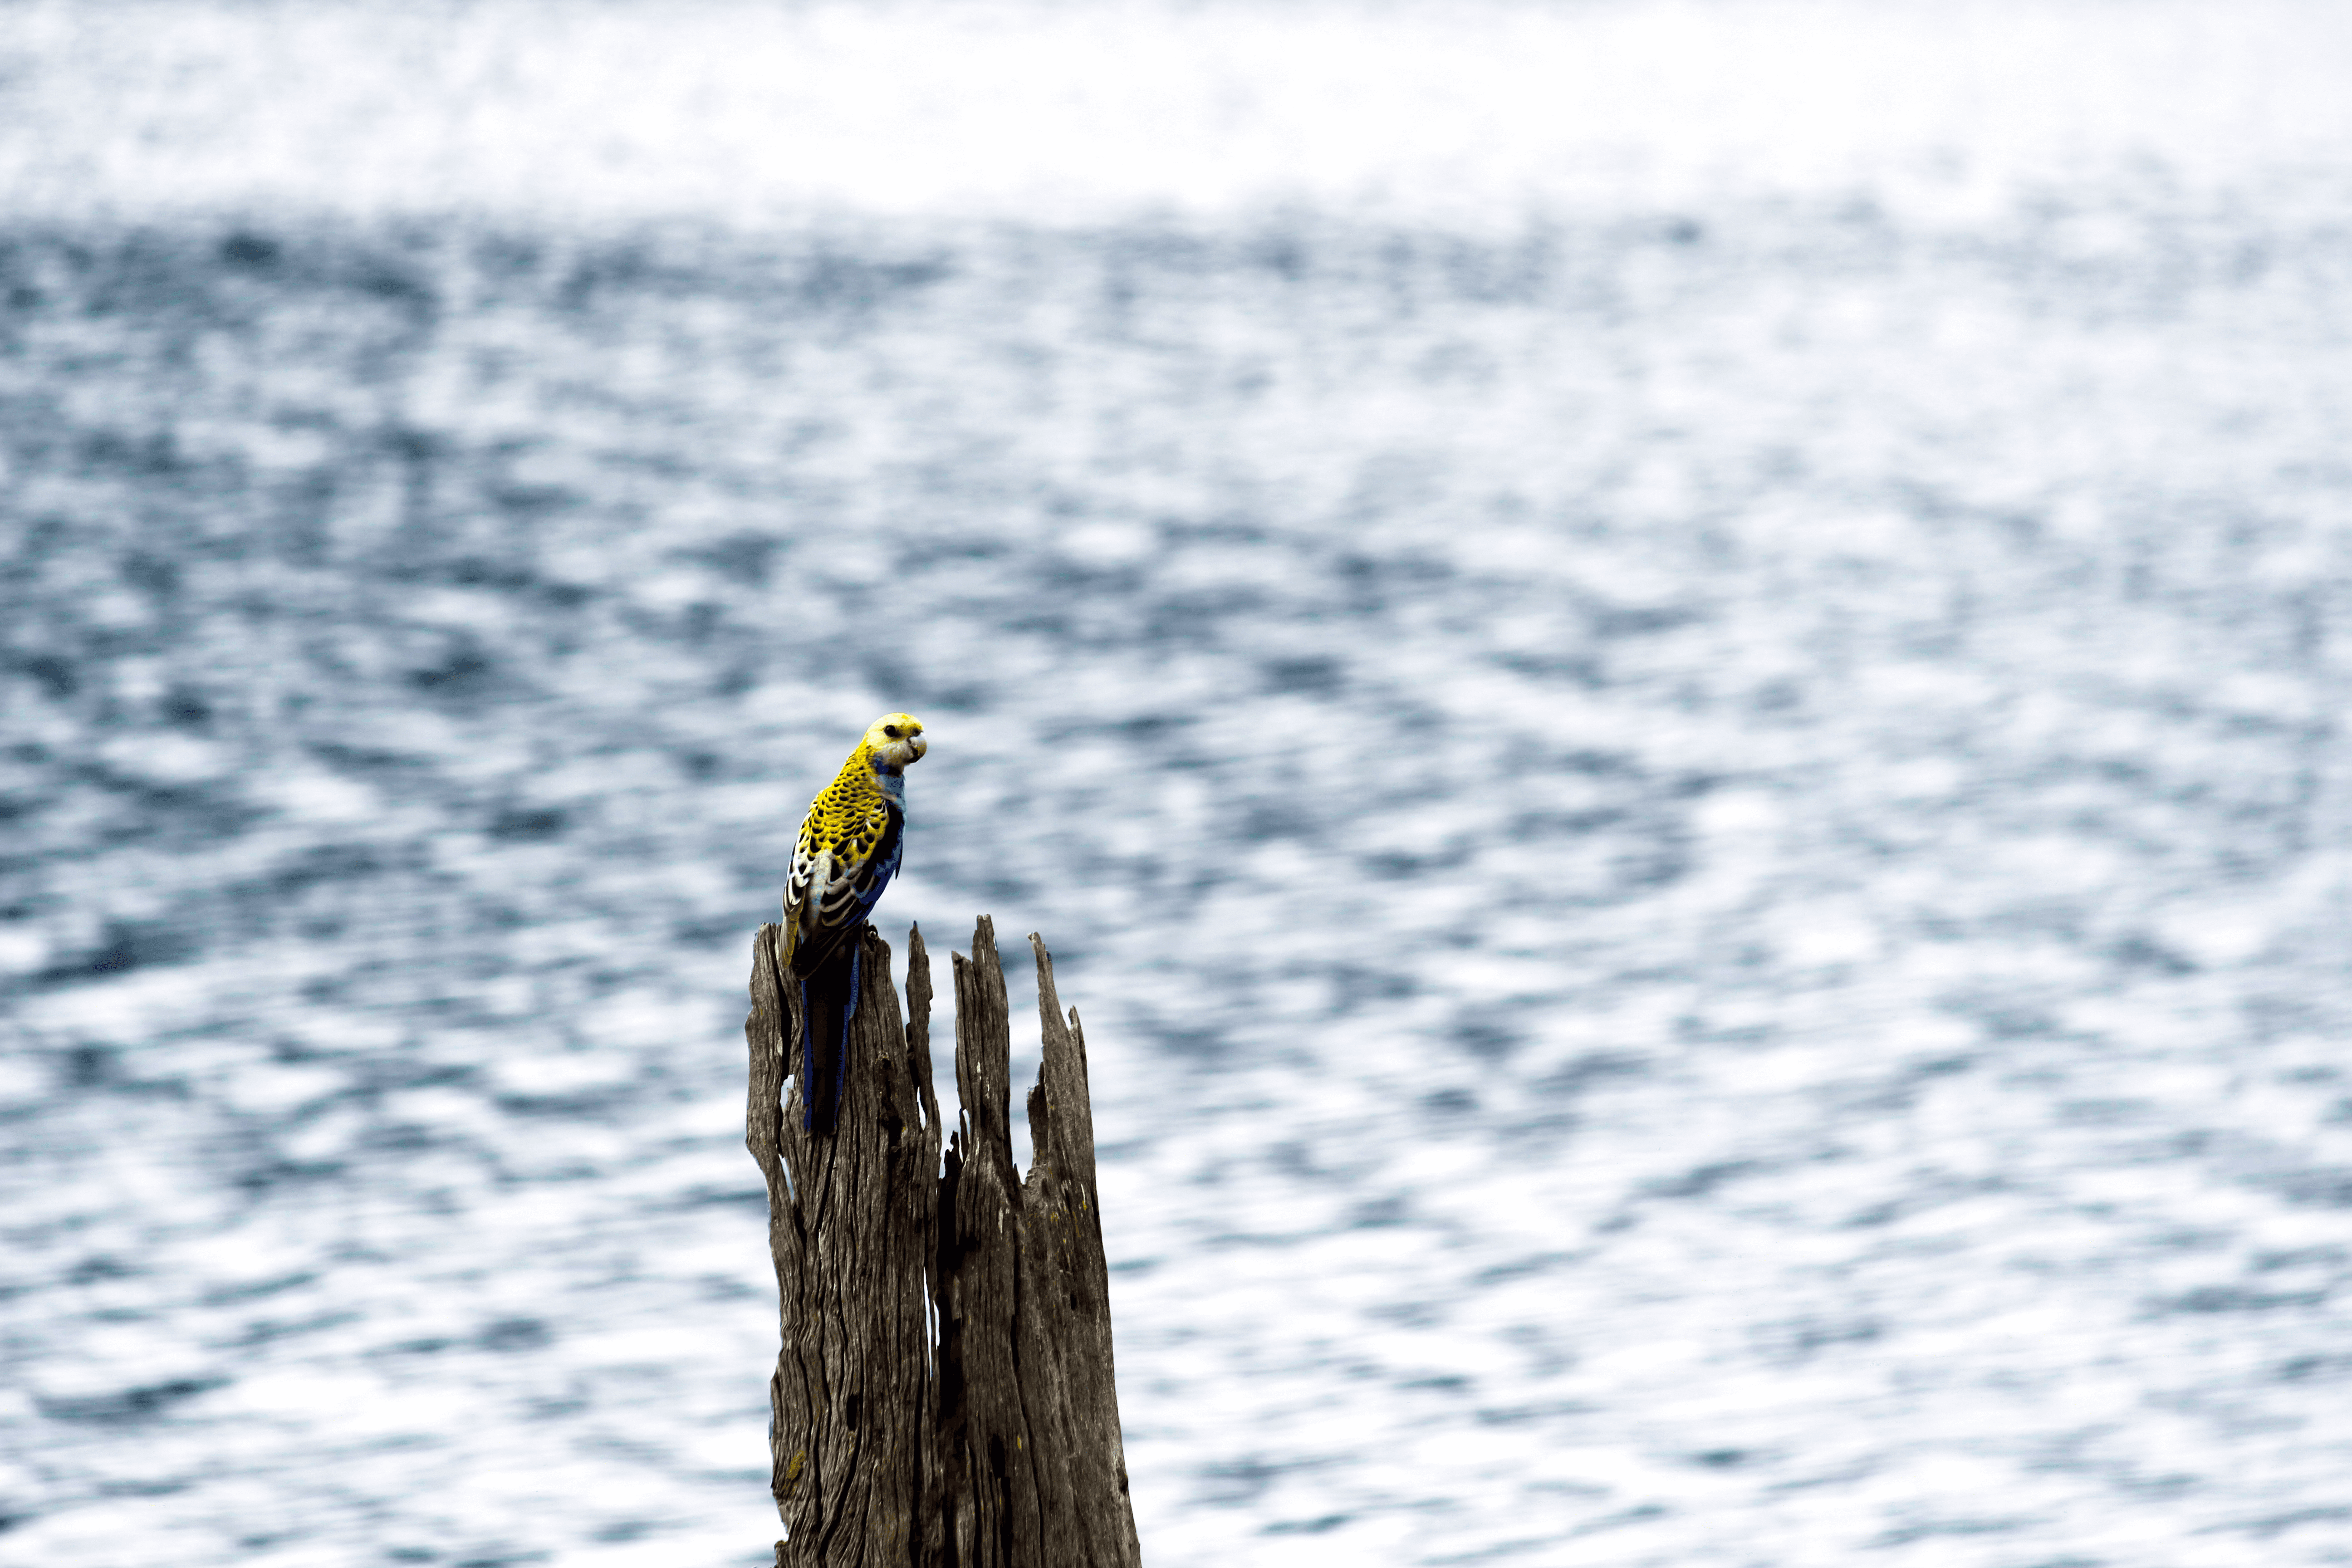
x=848 y=849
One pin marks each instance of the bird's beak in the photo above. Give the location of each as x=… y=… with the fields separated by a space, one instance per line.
x=919 y=745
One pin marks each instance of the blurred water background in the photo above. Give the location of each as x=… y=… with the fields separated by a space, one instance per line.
x=1669 y=676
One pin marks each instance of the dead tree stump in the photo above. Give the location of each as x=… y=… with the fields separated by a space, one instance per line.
x=944 y=1398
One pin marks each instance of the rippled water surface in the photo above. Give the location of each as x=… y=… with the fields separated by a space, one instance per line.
x=1701 y=830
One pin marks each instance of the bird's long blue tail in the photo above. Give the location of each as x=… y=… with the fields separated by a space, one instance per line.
x=828 y=1002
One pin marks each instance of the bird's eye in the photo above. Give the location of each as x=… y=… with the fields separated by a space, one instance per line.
x=891 y=731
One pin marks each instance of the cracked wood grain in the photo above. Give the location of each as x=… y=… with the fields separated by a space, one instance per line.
x=944 y=1397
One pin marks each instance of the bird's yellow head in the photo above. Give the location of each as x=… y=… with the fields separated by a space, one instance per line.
x=895 y=740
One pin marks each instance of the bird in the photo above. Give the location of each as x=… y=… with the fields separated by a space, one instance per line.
x=848 y=851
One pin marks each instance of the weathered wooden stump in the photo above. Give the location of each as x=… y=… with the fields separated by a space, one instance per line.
x=944 y=1398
